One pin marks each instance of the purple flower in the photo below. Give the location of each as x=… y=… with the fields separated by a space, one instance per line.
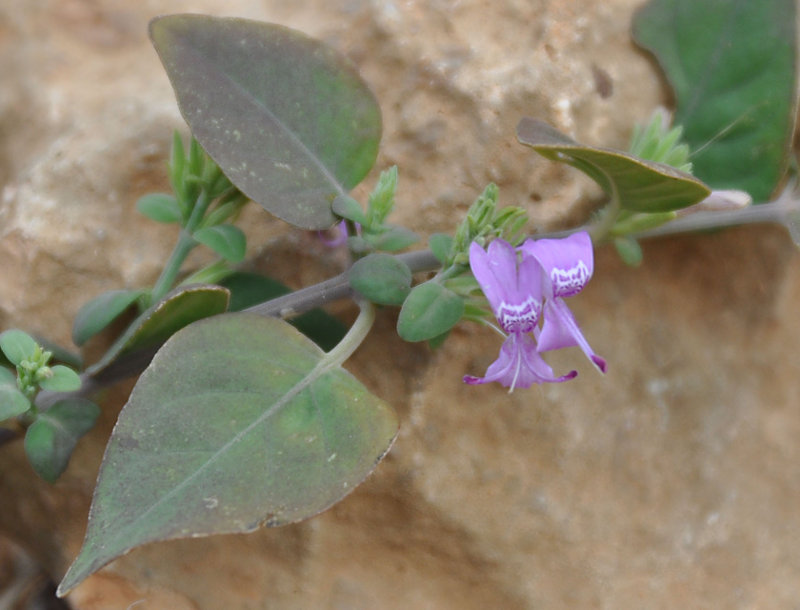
x=513 y=282
x=567 y=266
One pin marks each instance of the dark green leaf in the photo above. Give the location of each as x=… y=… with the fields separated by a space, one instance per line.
x=381 y=278
x=63 y=379
x=288 y=120
x=226 y=240
x=17 y=345
x=642 y=186
x=160 y=207
x=248 y=289
x=237 y=423
x=182 y=306
x=101 y=311
x=429 y=311
x=733 y=68
x=50 y=440
x=12 y=401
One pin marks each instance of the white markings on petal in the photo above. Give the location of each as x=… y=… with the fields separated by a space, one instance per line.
x=569 y=282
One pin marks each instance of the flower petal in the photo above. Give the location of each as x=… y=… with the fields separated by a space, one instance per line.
x=514 y=292
x=567 y=262
x=561 y=330
x=519 y=365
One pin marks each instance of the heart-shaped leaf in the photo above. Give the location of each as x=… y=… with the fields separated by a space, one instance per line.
x=288 y=120
x=181 y=307
x=50 y=440
x=237 y=423
x=732 y=65
x=642 y=186
x=101 y=311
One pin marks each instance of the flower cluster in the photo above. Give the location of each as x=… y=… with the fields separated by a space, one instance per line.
x=524 y=285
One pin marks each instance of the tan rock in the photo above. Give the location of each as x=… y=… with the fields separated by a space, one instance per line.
x=670 y=482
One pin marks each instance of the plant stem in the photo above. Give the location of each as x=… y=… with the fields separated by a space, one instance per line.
x=185 y=244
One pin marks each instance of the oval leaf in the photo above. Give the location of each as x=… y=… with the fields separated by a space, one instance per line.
x=50 y=440
x=63 y=379
x=288 y=120
x=160 y=207
x=181 y=307
x=12 y=401
x=732 y=65
x=235 y=424
x=428 y=312
x=226 y=240
x=642 y=186
x=101 y=311
x=381 y=278
x=17 y=345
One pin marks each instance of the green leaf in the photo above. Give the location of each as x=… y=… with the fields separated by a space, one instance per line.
x=17 y=345
x=160 y=207
x=347 y=207
x=629 y=250
x=733 y=69
x=642 y=186
x=429 y=311
x=441 y=244
x=248 y=289
x=181 y=307
x=12 y=401
x=101 y=311
x=63 y=379
x=288 y=120
x=392 y=239
x=50 y=440
x=237 y=423
x=381 y=278
x=7 y=376
x=226 y=240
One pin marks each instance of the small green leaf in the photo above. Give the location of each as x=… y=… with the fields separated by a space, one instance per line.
x=101 y=311
x=441 y=244
x=17 y=346
x=160 y=207
x=733 y=68
x=226 y=240
x=237 y=423
x=392 y=239
x=12 y=401
x=181 y=307
x=289 y=121
x=381 y=201
x=429 y=311
x=63 y=379
x=642 y=186
x=381 y=278
x=629 y=250
x=50 y=440
x=347 y=207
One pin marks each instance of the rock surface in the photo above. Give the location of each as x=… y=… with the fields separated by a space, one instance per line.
x=670 y=482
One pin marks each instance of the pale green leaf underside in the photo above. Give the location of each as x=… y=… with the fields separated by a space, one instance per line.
x=642 y=186
x=232 y=426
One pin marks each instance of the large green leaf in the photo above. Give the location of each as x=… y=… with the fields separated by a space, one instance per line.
x=237 y=423
x=732 y=66
x=642 y=186
x=179 y=308
x=288 y=120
